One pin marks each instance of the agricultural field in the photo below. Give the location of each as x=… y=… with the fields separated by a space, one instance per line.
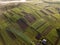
x=27 y=24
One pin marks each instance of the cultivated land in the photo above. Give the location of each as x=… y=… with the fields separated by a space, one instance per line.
x=20 y=24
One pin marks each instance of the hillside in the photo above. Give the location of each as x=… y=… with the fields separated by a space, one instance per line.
x=27 y=24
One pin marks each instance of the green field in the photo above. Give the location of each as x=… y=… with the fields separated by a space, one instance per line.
x=21 y=25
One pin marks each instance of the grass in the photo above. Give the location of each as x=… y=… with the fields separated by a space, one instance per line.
x=40 y=25
x=52 y=36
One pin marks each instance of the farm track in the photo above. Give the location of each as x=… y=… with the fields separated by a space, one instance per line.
x=56 y=42
x=47 y=30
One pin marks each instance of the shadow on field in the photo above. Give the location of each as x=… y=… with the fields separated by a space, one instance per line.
x=58 y=32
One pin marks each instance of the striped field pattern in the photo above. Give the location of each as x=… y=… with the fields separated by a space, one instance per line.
x=29 y=23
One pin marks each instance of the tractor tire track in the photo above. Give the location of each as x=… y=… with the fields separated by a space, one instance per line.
x=57 y=40
x=47 y=30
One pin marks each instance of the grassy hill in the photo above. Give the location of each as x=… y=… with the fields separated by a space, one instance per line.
x=28 y=23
